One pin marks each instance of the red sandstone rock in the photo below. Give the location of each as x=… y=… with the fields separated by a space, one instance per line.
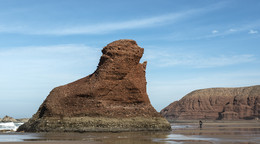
x=117 y=89
x=216 y=103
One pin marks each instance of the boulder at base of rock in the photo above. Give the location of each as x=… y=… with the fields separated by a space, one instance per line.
x=216 y=104
x=113 y=98
x=8 y=119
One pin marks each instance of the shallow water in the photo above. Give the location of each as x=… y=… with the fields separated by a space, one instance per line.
x=183 y=133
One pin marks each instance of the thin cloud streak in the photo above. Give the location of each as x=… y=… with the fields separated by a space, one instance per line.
x=203 y=32
x=236 y=30
x=209 y=62
x=132 y=24
x=110 y=26
x=166 y=59
x=253 y=32
x=43 y=59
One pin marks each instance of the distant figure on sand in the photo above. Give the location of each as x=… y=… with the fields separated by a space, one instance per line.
x=200 y=122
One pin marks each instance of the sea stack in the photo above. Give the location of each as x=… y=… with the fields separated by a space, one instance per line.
x=216 y=104
x=113 y=98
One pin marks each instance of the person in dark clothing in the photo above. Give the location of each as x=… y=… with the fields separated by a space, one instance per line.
x=200 y=122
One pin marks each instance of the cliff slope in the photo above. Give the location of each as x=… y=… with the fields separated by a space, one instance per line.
x=216 y=104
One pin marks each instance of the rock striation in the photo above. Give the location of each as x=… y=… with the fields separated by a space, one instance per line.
x=113 y=98
x=216 y=104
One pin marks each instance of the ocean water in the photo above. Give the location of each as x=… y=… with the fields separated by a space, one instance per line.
x=9 y=126
x=182 y=133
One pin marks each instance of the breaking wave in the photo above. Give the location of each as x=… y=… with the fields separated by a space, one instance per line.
x=9 y=126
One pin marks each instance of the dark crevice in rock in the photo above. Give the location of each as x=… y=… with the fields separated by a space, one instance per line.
x=42 y=111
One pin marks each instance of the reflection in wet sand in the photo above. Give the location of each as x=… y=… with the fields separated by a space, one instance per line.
x=184 y=133
x=229 y=132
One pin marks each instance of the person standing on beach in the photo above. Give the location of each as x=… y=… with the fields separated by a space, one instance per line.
x=200 y=122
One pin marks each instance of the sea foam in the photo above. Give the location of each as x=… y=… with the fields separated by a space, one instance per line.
x=9 y=126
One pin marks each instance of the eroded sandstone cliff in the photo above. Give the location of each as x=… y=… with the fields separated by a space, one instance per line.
x=113 y=98
x=216 y=104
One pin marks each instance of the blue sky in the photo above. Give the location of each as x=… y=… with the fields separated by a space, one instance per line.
x=188 y=45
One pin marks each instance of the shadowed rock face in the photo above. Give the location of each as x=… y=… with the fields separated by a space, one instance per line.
x=116 y=90
x=216 y=104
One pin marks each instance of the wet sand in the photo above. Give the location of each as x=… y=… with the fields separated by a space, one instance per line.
x=241 y=132
x=48 y=142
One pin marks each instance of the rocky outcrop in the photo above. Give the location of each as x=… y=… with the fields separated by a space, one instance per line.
x=113 y=98
x=23 y=120
x=8 y=119
x=216 y=104
x=11 y=119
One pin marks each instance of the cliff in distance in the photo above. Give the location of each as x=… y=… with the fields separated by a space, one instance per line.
x=113 y=98
x=8 y=119
x=11 y=119
x=216 y=104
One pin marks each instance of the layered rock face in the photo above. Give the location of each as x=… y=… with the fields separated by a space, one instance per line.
x=216 y=104
x=113 y=98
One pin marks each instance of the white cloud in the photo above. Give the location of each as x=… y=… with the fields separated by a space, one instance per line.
x=214 y=31
x=237 y=30
x=232 y=30
x=253 y=31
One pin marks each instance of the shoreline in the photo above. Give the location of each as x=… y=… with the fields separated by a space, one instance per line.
x=187 y=133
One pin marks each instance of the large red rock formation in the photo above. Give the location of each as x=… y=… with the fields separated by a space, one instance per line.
x=112 y=98
x=216 y=104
